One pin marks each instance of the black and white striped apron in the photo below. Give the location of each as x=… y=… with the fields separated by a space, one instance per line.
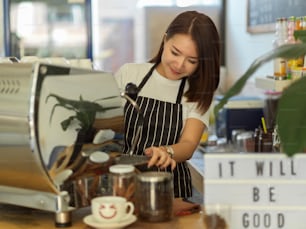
x=162 y=125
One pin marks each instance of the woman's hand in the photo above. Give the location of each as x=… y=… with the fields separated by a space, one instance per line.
x=159 y=157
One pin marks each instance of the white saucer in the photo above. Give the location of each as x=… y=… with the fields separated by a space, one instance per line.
x=89 y=220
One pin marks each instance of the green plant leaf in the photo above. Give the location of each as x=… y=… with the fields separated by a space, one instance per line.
x=85 y=111
x=300 y=35
x=66 y=123
x=288 y=51
x=291 y=118
x=291 y=113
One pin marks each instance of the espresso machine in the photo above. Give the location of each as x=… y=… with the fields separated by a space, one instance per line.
x=34 y=146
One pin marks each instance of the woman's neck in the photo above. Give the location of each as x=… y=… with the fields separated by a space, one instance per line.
x=159 y=68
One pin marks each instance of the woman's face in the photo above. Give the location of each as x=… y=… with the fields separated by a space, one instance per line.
x=179 y=58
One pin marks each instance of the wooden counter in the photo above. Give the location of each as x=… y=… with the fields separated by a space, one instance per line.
x=15 y=217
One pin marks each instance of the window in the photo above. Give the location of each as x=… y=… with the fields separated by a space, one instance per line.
x=48 y=28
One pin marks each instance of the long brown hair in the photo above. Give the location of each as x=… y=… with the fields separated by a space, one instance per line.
x=205 y=80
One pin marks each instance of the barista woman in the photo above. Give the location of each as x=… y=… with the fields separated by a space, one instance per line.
x=175 y=91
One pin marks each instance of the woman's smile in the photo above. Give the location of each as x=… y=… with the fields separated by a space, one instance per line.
x=175 y=72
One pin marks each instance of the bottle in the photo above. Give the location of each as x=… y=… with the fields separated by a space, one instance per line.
x=291 y=28
x=291 y=63
x=299 y=23
x=304 y=23
x=299 y=26
x=281 y=35
x=122 y=178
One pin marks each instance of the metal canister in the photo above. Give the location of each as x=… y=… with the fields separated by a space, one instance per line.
x=122 y=179
x=154 y=196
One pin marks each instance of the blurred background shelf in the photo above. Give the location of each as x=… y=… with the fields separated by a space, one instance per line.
x=272 y=84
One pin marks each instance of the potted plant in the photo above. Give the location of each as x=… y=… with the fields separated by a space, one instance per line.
x=85 y=114
x=291 y=113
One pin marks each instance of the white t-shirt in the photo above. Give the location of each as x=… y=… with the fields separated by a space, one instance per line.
x=158 y=87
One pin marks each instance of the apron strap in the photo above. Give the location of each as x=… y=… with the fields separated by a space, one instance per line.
x=148 y=75
x=181 y=91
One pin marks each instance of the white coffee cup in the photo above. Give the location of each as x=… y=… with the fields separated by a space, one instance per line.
x=110 y=209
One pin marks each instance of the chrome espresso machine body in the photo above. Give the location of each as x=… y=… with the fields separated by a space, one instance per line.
x=29 y=137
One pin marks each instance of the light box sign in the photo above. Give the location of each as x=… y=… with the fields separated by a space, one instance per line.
x=256 y=190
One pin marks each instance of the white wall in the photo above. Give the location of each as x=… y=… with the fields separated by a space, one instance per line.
x=242 y=48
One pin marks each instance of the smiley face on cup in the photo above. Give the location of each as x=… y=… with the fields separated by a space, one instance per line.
x=110 y=209
x=107 y=211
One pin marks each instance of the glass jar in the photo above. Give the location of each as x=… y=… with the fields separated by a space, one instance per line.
x=122 y=179
x=154 y=196
x=266 y=141
x=270 y=107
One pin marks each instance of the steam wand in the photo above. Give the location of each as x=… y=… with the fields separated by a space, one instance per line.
x=130 y=95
